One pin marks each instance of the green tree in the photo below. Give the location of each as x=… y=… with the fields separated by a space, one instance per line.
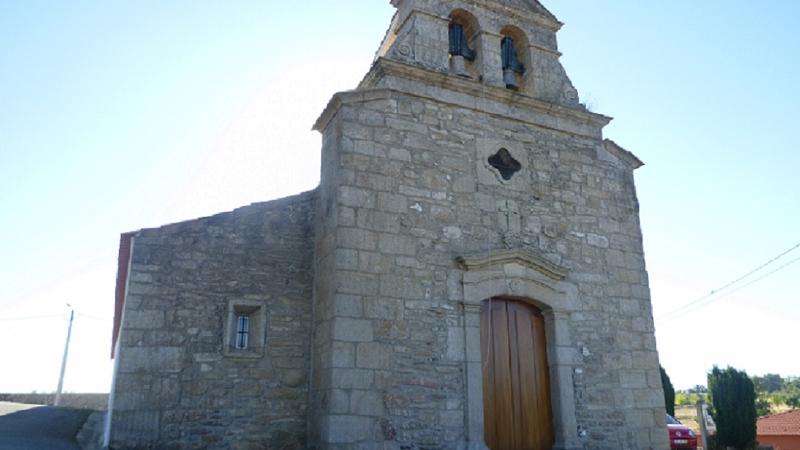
x=769 y=383
x=669 y=392
x=763 y=405
x=773 y=382
x=792 y=397
x=791 y=392
x=733 y=400
x=766 y=386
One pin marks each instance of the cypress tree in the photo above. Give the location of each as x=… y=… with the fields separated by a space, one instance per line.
x=733 y=401
x=669 y=392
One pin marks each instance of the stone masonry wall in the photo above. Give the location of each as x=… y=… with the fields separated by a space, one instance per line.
x=412 y=192
x=325 y=295
x=175 y=387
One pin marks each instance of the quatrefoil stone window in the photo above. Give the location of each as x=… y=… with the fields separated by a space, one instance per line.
x=505 y=164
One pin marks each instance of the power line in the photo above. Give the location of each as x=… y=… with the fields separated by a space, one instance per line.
x=51 y=316
x=692 y=305
x=87 y=316
x=10 y=319
x=708 y=301
x=727 y=294
x=760 y=278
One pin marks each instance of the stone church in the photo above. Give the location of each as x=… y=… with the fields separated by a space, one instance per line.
x=468 y=274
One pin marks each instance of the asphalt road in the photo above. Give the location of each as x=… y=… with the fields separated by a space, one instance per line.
x=36 y=427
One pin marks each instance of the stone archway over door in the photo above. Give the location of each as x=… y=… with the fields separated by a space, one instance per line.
x=516 y=380
x=521 y=274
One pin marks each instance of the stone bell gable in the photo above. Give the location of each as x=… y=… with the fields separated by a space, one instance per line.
x=418 y=36
x=469 y=274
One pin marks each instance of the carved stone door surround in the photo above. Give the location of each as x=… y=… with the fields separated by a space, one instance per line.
x=522 y=275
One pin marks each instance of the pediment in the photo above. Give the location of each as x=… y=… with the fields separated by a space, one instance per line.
x=522 y=257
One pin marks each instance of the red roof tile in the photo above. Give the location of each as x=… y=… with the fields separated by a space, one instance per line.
x=787 y=423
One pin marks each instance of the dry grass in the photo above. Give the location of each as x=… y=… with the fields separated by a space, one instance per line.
x=687 y=415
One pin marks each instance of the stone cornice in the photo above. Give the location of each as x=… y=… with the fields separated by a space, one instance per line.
x=519 y=256
x=365 y=95
x=480 y=97
x=387 y=67
x=327 y=114
x=624 y=155
x=546 y=50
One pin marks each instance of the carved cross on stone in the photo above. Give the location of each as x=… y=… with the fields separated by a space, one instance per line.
x=510 y=222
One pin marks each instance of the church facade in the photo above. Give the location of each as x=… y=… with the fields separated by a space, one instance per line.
x=469 y=273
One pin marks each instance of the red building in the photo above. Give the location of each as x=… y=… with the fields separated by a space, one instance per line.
x=781 y=431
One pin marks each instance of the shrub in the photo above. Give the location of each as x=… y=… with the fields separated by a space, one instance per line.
x=733 y=401
x=669 y=392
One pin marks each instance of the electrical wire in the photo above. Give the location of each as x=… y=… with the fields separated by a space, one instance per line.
x=707 y=301
x=679 y=311
x=795 y=247
x=87 y=316
x=12 y=319
x=689 y=305
x=51 y=316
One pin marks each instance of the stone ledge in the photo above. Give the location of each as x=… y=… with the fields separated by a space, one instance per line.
x=628 y=158
x=465 y=93
x=500 y=257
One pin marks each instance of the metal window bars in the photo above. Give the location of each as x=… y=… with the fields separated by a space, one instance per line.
x=242 y=332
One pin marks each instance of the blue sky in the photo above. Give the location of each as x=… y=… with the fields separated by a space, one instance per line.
x=116 y=116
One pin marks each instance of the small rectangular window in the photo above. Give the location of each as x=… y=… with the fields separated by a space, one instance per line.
x=245 y=328
x=242 y=332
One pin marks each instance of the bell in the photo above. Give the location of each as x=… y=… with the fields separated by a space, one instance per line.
x=510 y=79
x=458 y=66
x=511 y=63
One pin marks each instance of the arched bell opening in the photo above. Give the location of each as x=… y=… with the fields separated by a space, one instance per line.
x=515 y=55
x=463 y=31
x=517 y=403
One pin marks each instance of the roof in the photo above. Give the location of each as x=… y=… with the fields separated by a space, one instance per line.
x=784 y=424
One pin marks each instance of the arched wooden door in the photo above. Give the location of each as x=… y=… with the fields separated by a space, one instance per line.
x=516 y=381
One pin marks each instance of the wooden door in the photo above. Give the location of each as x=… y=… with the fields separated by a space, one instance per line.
x=516 y=381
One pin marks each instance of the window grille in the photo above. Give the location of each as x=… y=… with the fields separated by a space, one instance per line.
x=242 y=332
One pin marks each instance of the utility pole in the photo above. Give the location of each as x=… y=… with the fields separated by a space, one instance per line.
x=64 y=360
x=701 y=420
